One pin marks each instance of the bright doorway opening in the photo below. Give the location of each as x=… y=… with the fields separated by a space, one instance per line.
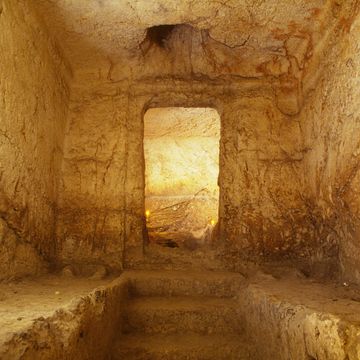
x=181 y=148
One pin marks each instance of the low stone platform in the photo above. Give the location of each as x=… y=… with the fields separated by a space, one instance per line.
x=201 y=315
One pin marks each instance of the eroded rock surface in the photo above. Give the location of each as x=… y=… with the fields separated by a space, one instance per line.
x=34 y=101
x=282 y=76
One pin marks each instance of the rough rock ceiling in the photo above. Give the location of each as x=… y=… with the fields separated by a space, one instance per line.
x=90 y=28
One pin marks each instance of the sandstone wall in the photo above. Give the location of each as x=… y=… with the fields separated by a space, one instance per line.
x=33 y=106
x=262 y=211
x=92 y=197
x=274 y=132
x=331 y=120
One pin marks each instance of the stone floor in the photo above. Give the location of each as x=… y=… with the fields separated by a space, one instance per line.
x=23 y=301
x=167 y=314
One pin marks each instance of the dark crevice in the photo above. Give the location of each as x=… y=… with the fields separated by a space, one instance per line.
x=158 y=35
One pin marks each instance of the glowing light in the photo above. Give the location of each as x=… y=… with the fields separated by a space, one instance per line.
x=212 y=222
x=147 y=213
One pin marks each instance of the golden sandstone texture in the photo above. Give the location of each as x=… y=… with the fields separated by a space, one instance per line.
x=78 y=167
x=34 y=104
x=80 y=75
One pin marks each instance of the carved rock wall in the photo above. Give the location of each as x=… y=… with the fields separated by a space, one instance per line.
x=263 y=212
x=33 y=107
x=262 y=182
x=332 y=128
x=285 y=144
x=91 y=214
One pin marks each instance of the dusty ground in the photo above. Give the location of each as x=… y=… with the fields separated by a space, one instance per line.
x=340 y=299
x=25 y=300
x=286 y=312
x=282 y=317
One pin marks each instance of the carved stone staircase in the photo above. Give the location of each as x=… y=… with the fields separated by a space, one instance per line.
x=176 y=315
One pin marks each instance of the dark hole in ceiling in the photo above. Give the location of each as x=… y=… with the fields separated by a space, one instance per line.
x=159 y=34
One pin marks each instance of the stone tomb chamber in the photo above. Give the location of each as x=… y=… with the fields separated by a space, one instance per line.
x=179 y=179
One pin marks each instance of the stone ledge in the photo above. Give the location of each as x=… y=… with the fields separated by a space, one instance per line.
x=83 y=329
x=301 y=319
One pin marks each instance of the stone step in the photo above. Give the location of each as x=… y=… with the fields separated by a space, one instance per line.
x=161 y=315
x=183 y=283
x=181 y=347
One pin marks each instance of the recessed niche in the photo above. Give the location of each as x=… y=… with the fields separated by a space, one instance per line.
x=159 y=34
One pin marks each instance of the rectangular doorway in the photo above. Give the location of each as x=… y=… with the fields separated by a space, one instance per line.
x=181 y=149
